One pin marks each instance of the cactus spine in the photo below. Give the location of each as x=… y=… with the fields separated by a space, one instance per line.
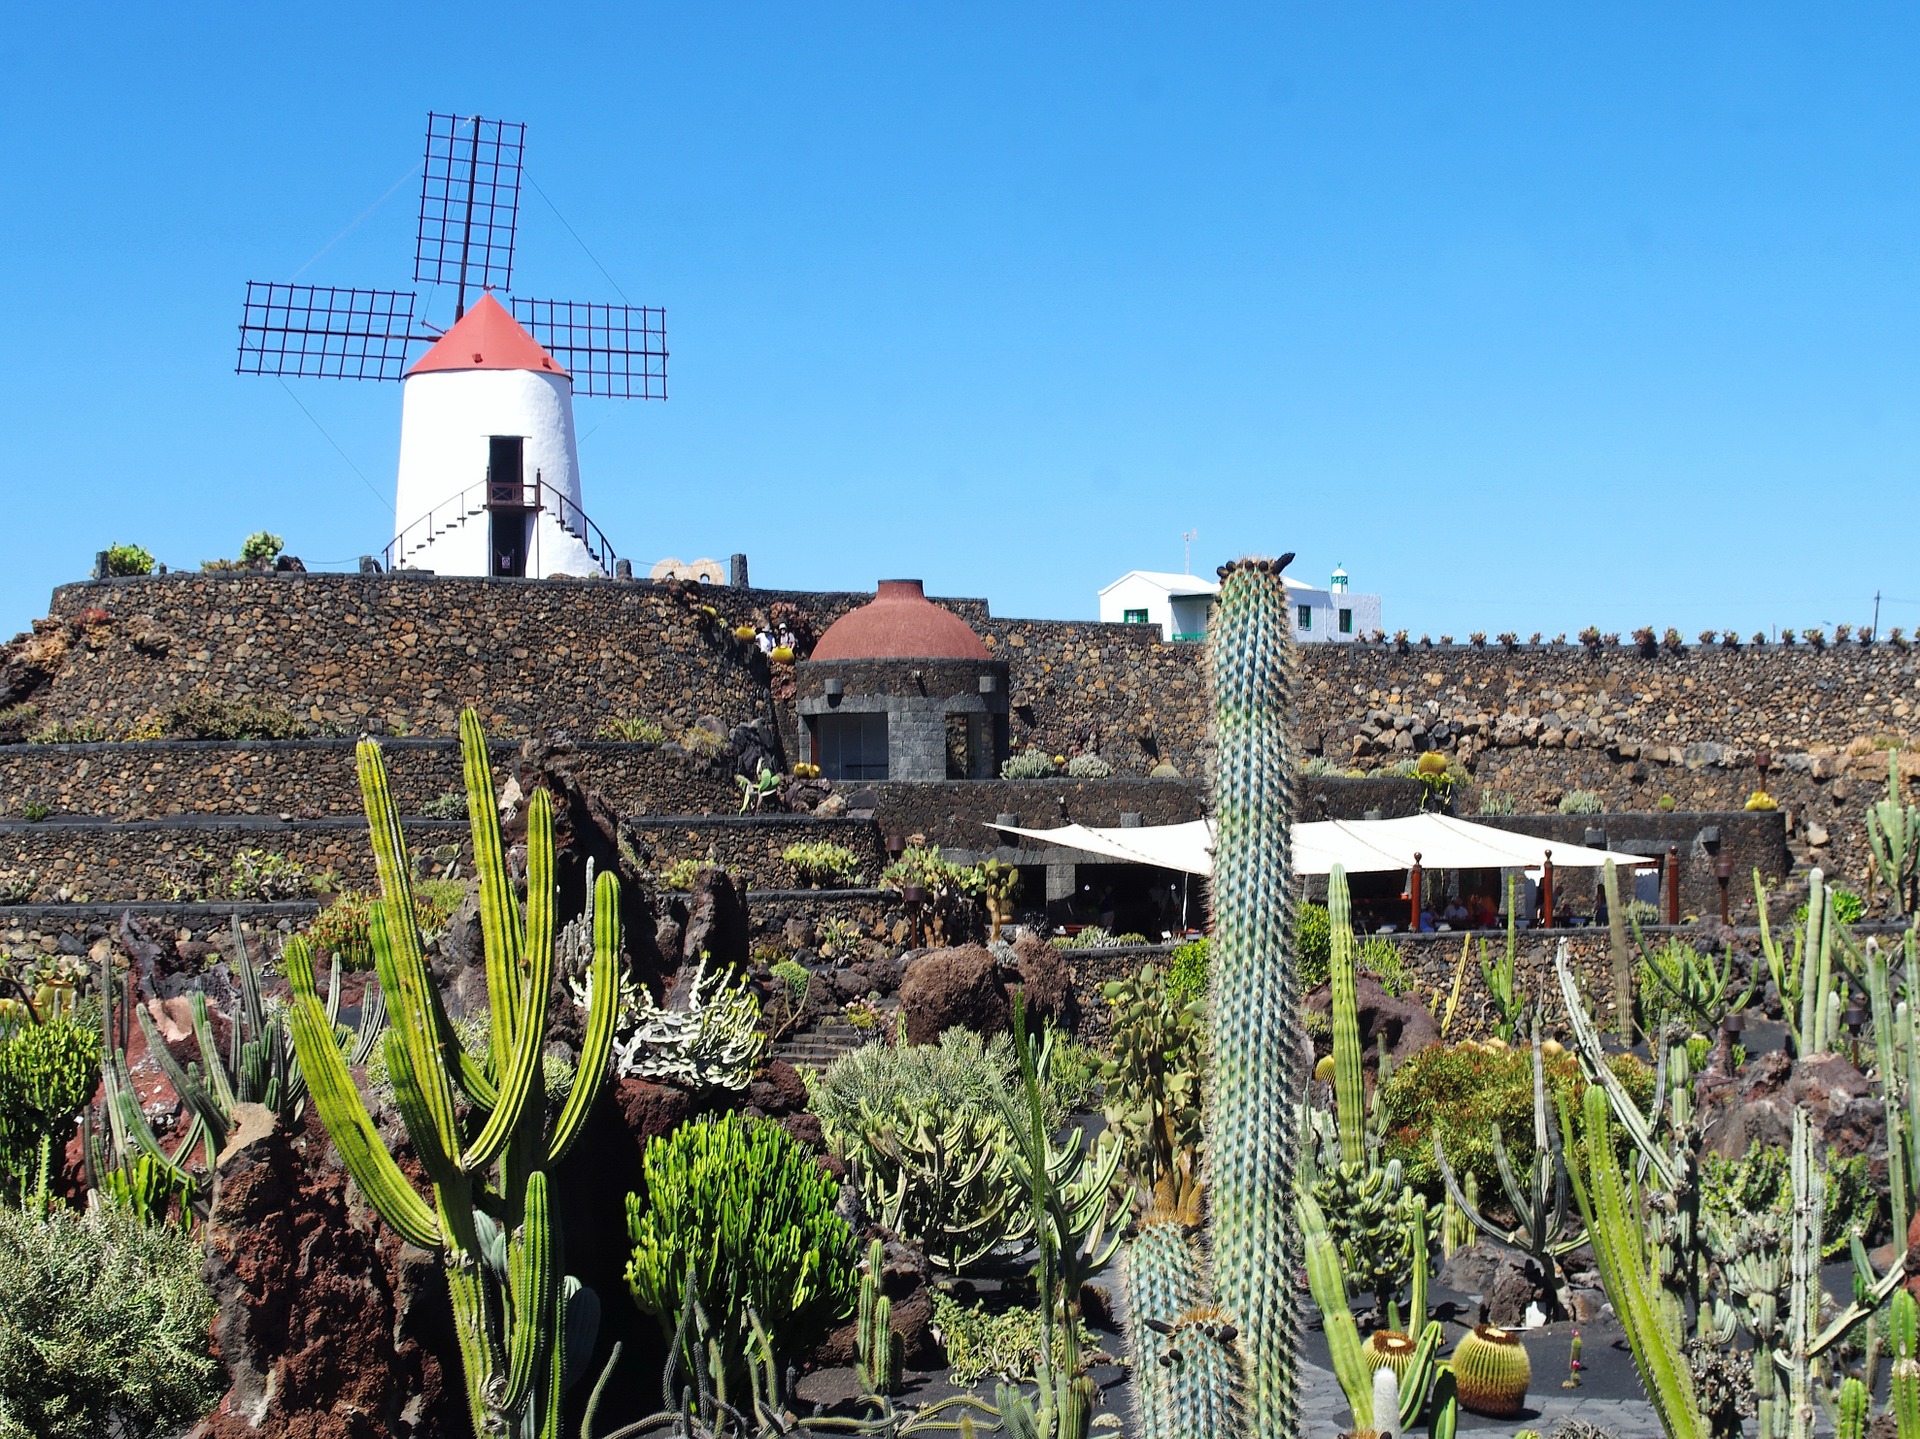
x=490 y=1221
x=1349 y=1079
x=1255 y=1133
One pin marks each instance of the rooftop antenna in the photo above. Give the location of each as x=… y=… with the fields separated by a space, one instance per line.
x=469 y=214
x=1187 y=554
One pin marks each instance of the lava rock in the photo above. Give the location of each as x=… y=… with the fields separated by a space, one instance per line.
x=948 y=988
x=1404 y=1024
x=716 y=923
x=1756 y=1106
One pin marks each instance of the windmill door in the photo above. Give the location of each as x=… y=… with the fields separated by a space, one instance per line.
x=507 y=508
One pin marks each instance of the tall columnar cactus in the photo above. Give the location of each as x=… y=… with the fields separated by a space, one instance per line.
x=1805 y=978
x=518 y=1319
x=1893 y=833
x=1620 y=958
x=1349 y=1077
x=1903 y=1334
x=881 y=1350
x=1165 y=1281
x=1256 y=1001
x=1617 y=1229
x=1894 y=1064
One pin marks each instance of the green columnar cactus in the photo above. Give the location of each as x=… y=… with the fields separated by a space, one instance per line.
x=882 y=1352
x=1893 y=833
x=1619 y=957
x=489 y=1221
x=1803 y=1285
x=1256 y=1003
x=1850 y=1410
x=1205 y=1379
x=1165 y=1280
x=1328 y=1282
x=1805 y=979
x=1903 y=1334
x=1444 y=1416
x=1349 y=1078
x=1893 y=1045
x=1617 y=1230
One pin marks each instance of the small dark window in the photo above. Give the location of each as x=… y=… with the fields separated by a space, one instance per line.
x=1346 y=622
x=1136 y=617
x=851 y=746
x=1306 y=617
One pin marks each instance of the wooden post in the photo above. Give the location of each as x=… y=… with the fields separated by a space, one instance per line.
x=1546 y=892
x=1673 y=884
x=1414 y=885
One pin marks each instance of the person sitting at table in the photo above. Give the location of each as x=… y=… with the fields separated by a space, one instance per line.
x=1426 y=921
x=1482 y=912
x=1455 y=914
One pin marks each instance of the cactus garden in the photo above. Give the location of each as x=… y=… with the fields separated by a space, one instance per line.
x=527 y=1160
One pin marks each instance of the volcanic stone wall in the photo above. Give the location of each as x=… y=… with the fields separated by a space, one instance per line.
x=402 y=654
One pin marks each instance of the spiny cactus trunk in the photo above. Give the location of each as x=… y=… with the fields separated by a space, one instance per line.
x=1256 y=1012
x=1164 y=1281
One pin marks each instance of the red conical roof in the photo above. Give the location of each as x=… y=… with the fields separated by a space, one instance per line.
x=900 y=623
x=487 y=338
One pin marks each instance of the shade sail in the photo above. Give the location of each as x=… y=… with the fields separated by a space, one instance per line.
x=1359 y=846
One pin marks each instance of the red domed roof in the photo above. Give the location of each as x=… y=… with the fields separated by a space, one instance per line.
x=900 y=623
x=486 y=338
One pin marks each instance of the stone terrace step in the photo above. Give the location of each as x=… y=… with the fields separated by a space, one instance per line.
x=315 y=778
x=819 y=1047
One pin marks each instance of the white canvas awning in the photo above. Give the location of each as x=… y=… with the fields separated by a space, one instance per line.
x=1358 y=846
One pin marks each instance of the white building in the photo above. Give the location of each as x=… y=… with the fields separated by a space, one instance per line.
x=489 y=467
x=1180 y=604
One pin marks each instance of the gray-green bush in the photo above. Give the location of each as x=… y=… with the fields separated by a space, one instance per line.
x=103 y=1327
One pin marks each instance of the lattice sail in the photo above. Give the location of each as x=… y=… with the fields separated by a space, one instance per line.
x=325 y=332
x=469 y=202
x=618 y=352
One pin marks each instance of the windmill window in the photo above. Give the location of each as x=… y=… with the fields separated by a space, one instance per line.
x=1136 y=617
x=1346 y=622
x=1306 y=617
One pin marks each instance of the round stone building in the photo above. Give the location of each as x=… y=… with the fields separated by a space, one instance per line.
x=902 y=689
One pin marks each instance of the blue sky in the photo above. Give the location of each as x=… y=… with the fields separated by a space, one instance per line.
x=1533 y=316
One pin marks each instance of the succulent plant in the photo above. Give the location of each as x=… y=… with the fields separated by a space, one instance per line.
x=1491 y=1368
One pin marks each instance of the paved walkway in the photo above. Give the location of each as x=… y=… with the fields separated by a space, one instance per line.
x=1324 y=1414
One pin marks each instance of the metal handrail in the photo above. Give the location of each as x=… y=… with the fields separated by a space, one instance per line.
x=571 y=517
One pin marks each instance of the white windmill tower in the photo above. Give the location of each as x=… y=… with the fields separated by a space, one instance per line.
x=489 y=480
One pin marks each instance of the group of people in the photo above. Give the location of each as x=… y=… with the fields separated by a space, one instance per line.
x=1481 y=911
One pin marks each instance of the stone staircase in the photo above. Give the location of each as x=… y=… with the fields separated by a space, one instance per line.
x=820 y=1046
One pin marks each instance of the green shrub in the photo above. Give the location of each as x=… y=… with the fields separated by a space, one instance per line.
x=1382 y=959
x=345 y=927
x=205 y=716
x=1088 y=766
x=103 y=1326
x=1003 y=1345
x=1848 y=907
x=702 y=743
x=1029 y=764
x=1072 y=1076
x=750 y=1207
x=1761 y=1180
x=834 y=936
x=261 y=545
x=1092 y=936
x=266 y=876
x=680 y=874
x=1461 y=1090
x=34 y=811
x=1581 y=801
x=124 y=560
x=821 y=864
x=1313 y=944
x=71 y=732
x=451 y=805
x=47 y=1072
x=1187 y=972
x=635 y=729
x=1492 y=801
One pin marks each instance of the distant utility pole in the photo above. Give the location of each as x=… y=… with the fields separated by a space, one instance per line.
x=1190 y=536
x=1876 y=614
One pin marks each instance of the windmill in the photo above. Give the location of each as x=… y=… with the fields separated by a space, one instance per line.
x=489 y=480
